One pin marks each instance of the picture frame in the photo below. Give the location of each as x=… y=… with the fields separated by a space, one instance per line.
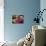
x=17 y=19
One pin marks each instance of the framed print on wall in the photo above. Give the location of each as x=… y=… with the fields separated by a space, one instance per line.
x=18 y=19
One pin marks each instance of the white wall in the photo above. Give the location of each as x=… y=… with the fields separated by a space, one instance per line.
x=43 y=6
x=1 y=20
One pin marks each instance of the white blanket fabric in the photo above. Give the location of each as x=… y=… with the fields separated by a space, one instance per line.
x=9 y=44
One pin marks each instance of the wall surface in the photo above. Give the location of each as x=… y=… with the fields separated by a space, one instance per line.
x=1 y=20
x=43 y=6
x=13 y=32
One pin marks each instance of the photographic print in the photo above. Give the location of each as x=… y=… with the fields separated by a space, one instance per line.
x=18 y=19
